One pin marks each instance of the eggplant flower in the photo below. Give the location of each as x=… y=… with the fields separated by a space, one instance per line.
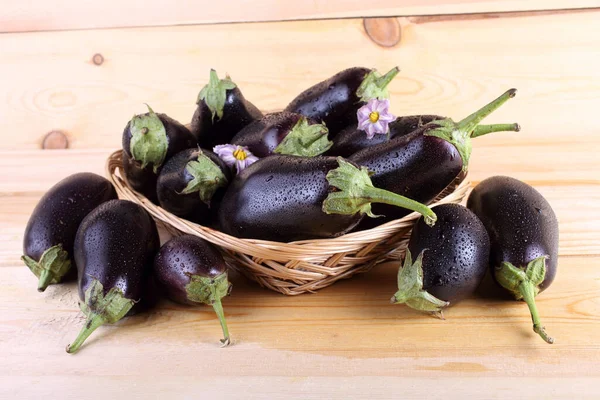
x=374 y=117
x=234 y=155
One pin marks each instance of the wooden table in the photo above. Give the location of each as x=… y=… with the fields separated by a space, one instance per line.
x=81 y=70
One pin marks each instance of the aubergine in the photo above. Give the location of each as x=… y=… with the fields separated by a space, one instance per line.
x=114 y=251
x=523 y=233
x=50 y=232
x=423 y=163
x=352 y=139
x=335 y=101
x=150 y=140
x=192 y=183
x=284 y=133
x=222 y=112
x=191 y=271
x=287 y=198
x=452 y=259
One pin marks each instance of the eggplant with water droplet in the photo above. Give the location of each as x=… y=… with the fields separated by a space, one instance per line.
x=423 y=163
x=114 y=251
x=221 y=113
x=523 y=233
x=192 y=183
x=452 y=259
x=287 y=198
x=284 y=133
x=50 y=232
x=191 y=271
x=335 y=101
x=150 y=140
x=352 y=139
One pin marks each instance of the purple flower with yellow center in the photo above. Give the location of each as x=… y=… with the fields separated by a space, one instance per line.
x=234 y=155
x=374 y=117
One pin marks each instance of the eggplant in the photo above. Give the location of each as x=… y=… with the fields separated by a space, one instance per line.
x=50 y=232
x=423 y=163
x=452 y=259
x=352 y=139
x=335 y=101
x=287 y=198
x=114 y=250
x=191 y=271
x=192 y=183
x=150 y=140
x=523 y=233
x=221 y=113
x=284 y=133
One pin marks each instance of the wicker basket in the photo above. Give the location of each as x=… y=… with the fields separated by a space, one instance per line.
x=296 y=267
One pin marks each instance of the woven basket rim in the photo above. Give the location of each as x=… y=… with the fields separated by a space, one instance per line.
x=263 y=249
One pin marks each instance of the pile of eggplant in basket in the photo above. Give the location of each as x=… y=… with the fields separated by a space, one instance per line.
x=335 y=160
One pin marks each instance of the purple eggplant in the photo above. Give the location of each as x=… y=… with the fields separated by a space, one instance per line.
x=114 y=251
x=50 y=232
x=335 y=101
x=191 y=271
x=284 y=133
x=423 y=163
x=150 y=140
x=221 y=113
x=352 y=139
x=192 y=183
x=452 y=259
x=523 y=232
x=287 y=198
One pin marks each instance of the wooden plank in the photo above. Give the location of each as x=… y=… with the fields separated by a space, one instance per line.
x=448 y=67
x=573 y=191
x=345 y=334
x=37 y=15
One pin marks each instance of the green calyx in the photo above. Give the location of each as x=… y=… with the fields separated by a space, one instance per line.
x=207 y=178
x=374 y=86
x=210 y=291
x=100 y=309
x=307 y=140
x=214 y=93
x=524 y=284
x=149 y=142
x=410 y=287
x=356 y=193
x=460 y=133
x=53 y=265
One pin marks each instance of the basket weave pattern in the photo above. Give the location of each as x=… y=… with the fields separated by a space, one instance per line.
x=296 y=267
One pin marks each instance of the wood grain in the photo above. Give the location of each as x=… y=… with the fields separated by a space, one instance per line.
x=39 y=15
x=50 y=82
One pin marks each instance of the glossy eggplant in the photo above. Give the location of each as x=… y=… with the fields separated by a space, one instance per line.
x=50 y=232
x=191 y=271
x=284 y=133
x=287 y=198
x=423 y=163
x=150 y=140
x=114 y=251
x=452 y=259
x=523 y=232
x=335 y=101
x=221 y=113
x=352 y=139
x=191 y=185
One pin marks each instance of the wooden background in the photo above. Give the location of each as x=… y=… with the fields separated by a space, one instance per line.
x=81 y=69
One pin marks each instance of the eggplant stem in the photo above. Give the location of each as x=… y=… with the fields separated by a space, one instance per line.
x=469 y=123
x=46 y=277
x=481 y=130
x=218 y=307
x=385 y=80
x=92 y=323
x=376 y=195
x=527 y=290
